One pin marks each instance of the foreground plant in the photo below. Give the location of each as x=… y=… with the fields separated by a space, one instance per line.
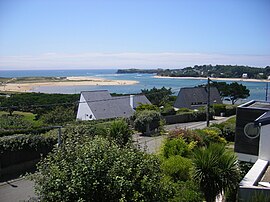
x=216 y=170
x=99 y=170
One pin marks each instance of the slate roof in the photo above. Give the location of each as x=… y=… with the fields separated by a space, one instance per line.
x=263 y=119
x=194 y=97
x=104 y=106
x=96 y=95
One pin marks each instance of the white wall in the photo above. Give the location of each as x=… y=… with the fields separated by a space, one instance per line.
x=84 y=112
x=264 y=148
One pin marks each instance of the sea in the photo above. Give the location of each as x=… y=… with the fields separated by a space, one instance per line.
x=146 y=81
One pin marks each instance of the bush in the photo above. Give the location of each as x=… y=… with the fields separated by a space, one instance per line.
x=186 y=192
x=27 y=142
x=219 y=108
x=143 y=107
x=175 y=147
x=59 y=115
x=227 y=128
x=168 y=110
x=99 y=170
x=228 y=110
x=181 y=110
x=187 y=135
x=177 y=167
x=147 y=121
x=211 y=135
x=120 y=132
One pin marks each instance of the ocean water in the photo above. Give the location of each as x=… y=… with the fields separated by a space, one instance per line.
x=146 y=81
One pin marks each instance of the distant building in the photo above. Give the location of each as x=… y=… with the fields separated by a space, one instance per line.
x=245 y=75
x=101 y=105
x=195 y=97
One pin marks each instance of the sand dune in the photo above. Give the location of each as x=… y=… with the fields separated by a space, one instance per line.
x=70 y=81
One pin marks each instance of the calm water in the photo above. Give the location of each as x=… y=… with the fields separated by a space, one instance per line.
x=146 y=81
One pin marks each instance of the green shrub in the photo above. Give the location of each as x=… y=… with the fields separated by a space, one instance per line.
x=187 y=135
x=147 y=121
x=230 y=110
x=177 y=167
x=27 y=142
x=176 y=146
x=211 y=135
x=181 y=110
x=99 y=170
x=168 y=110
x=59 y=115
x=143 y=107
x=219 y=108
x=120 y=132
x=186 y=192
x=227 y=128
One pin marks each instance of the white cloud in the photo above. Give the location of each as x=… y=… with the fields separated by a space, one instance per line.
x=127 y=60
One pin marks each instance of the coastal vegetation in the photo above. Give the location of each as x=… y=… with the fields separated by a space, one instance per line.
x=218 y=71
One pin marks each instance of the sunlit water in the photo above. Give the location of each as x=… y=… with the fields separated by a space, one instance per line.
x=146 y=81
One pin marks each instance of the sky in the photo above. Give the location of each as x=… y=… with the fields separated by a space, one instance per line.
x=85 y=34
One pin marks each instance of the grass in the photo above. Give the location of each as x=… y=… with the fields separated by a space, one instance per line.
x=27 y=116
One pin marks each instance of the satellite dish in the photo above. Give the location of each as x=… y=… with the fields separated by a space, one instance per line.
x=251 y=131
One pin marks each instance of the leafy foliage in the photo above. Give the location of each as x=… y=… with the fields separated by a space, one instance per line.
x=58 y=115
x=234 y=91
x=176 y=146
x=157 y=96
x=177 y=167
x=27 y=142
x=223 y=71
x=120 y=132
x=186 y=192
x=143 y=107
x=227 y=128
x=38 y=103
x=99 y=170
x=211 y=135
x=187 y=135
x=216 y=170
x=146 y=121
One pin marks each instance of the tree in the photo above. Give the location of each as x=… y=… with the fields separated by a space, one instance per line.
x=234 y=91
x=58 y=116
x=99 y=170
x=147 y=121
x=157 y=96
x=216 y=170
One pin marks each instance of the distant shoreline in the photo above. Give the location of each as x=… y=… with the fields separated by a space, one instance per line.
x=70 y=81
x=214 y=79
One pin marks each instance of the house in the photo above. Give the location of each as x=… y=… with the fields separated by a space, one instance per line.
x=252 y=140
x=195 y=97
x=244 y=75
x=100 y=104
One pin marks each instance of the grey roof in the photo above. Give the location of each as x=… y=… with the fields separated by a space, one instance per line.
x=193 y=97
x=96 y=95
x=104 y=106
x=140 y=99
x=263 y=119
x=111 y=108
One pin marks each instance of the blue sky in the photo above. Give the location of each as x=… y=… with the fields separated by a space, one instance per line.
x=66 y=34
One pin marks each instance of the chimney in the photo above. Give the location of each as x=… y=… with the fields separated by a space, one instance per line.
x=131 y=101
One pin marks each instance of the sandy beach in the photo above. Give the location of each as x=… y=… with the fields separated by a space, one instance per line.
x=69 y=81
x=215 y=79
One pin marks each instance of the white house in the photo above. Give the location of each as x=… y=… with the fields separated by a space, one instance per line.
x=245 y=75
x=100 y=104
